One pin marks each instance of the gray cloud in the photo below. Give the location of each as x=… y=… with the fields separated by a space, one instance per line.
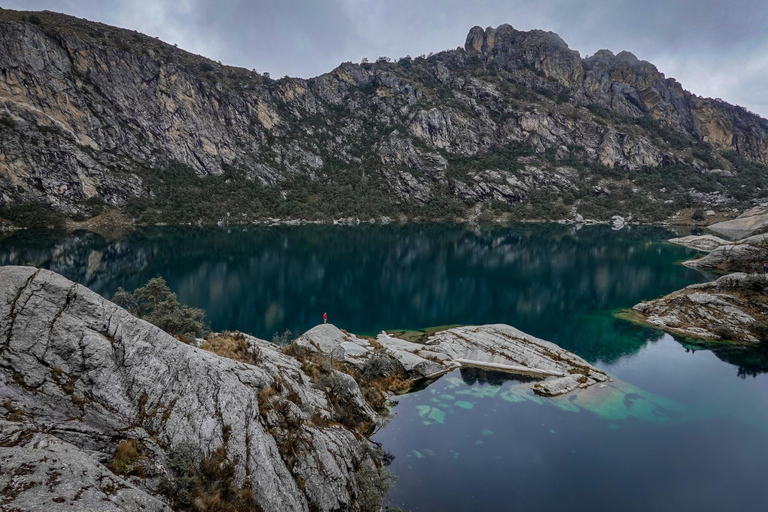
x=715 y=48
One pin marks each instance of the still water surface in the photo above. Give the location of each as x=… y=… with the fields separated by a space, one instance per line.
x=682 y=428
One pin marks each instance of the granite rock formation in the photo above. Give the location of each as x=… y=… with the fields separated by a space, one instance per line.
x=80 y=374
x=726 y=309
x=747 y=255
x=96 y=116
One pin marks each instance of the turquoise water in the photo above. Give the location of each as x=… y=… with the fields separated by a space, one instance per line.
x=682 y=428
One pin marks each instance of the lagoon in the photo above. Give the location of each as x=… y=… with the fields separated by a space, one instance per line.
x=683 y=427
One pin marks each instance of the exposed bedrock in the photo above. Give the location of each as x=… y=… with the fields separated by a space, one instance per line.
x=81 y=375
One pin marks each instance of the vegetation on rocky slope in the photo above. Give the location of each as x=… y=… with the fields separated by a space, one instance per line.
x=157 y=304
x=513 y=123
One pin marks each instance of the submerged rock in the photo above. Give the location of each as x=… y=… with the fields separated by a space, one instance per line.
x=725 y=309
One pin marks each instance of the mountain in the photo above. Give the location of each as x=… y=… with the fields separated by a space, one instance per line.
x=514 y=123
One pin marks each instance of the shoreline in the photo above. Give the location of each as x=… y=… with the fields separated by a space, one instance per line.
x=130 y=224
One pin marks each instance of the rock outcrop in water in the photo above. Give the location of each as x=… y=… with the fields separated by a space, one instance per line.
x=80 y=375
x=747 y=255
x=726 y=309
x=704 y=243
x=493 y=347
x=93 y=115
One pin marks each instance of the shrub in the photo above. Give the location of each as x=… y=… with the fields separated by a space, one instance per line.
x=33 y=215
x=34 y=20
x=233 y=346
x=201 y=483
x=183 y=462
x=760 y=330
x=373 y=484
x=379 y=365
x=127 y=457
x=155 y=303
x=282 y=339
x=724 y=332
x=336 y=383
x=698 y=215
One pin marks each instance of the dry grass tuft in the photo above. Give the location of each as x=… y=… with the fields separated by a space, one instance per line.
x=127 y=458
x=232 y=345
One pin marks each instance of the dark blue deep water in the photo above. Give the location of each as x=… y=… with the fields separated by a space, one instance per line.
x=683 y=427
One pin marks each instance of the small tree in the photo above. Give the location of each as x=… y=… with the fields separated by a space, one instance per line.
x=157 y=304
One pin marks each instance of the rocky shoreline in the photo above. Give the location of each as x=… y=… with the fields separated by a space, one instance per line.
x=97 y=404
x=733 y=308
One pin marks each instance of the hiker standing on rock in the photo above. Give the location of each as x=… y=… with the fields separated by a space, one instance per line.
x=325 y=318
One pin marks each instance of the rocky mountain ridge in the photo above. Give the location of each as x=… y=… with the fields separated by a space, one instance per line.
x=513 y=122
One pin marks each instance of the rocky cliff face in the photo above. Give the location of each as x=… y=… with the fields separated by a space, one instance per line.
x=94 y=115
x=80 y=374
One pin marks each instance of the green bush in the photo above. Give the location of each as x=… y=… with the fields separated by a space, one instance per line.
x=760 y=330
x=724 y=332
x=33 y=215
x=202 y=483
x=373 y=484
x=379 y=365
x=158 y=305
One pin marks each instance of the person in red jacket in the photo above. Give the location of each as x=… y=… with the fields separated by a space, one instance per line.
x=325 y=318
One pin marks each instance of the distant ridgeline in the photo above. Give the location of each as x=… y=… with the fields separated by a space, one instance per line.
x=512 y=123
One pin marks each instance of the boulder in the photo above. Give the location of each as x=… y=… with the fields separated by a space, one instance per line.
x=748 y=223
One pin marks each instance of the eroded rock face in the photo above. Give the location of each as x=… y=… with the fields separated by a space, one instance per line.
x=84 y=105
x=723 y=309
x=747 y=255
x=80 y=374
x=750 y=222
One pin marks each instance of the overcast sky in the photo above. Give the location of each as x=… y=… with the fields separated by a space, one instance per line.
x=716 y=48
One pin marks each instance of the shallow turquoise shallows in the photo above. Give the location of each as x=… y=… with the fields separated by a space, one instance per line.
x=683 y=427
